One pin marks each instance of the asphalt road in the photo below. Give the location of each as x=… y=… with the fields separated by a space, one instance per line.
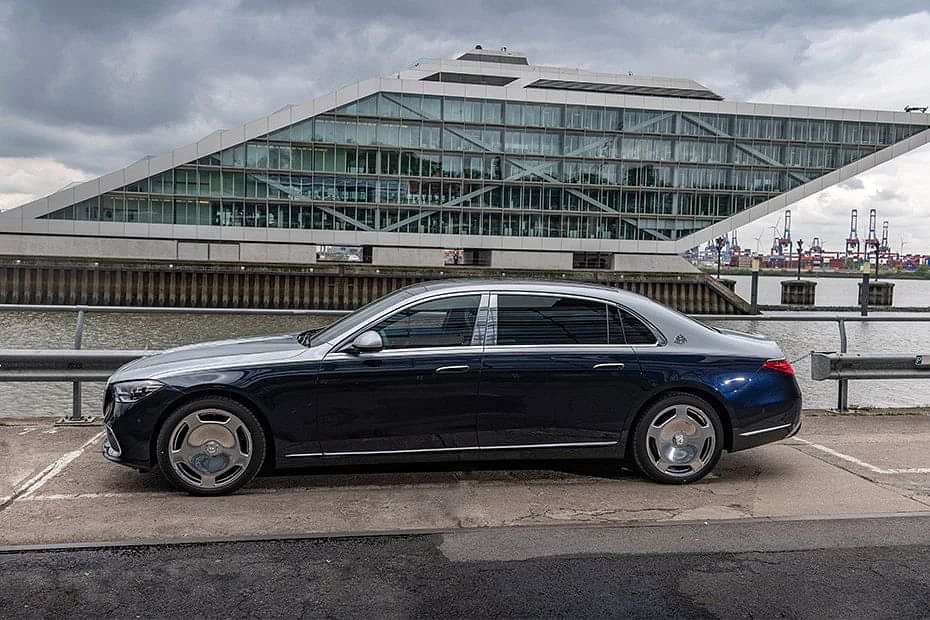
x=868 y=568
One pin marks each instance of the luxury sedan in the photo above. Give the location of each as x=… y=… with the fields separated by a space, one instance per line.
x=457 y=370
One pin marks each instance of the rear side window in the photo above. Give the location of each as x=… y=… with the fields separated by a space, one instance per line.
x=628 y=329
x=531 y=319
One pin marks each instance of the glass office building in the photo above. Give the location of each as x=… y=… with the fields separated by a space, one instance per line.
x=490 y=152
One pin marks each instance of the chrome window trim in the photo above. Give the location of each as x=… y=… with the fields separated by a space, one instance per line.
x=389 y=353
x=493 y=316
x=661 y=340
x=339 y=347
x=490 y=337
x=532 y=446
x=559 y=348
x=481 y=321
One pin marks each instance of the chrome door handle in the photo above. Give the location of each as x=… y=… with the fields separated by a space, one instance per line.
x=451 y=369
x=613 y=366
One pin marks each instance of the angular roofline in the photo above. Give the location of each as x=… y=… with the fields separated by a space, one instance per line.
x=792 y=196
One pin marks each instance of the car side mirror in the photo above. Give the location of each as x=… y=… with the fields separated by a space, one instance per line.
x=368 y=342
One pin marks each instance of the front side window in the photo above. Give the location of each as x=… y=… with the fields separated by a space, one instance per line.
x=447 y=322
x=545 y=320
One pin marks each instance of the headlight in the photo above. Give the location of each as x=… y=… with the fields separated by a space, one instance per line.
x=132 y=391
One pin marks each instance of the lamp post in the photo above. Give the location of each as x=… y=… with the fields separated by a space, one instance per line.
x=719 y=243
x=864 y=290
x=754 y=295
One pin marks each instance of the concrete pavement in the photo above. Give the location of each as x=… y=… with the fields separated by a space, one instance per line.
x=55 y=488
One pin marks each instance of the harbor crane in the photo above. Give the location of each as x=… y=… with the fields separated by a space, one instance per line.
x=872 y=243
x=852 y=241
x=780 y=243
x=884 y=247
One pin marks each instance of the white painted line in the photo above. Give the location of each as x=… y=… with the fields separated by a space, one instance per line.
x=58 y=497
x=846 y=457
x=861 y=463
x=40 y=479
x=28 y=430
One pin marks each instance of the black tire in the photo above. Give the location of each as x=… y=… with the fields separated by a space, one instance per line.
x=705 y=443
x=183 y=473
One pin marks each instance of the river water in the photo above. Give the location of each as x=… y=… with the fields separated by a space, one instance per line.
x=159 y=331
x=835 y=291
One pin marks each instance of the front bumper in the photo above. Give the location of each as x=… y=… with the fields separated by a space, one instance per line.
x=132 y=428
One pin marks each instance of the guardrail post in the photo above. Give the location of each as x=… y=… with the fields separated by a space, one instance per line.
x=754 y=293
x=76 y=417
x=76 y=386
x=842 y=397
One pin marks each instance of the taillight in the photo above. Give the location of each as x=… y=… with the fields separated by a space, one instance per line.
x=781 y=365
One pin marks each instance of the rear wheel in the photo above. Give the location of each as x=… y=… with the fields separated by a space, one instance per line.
x=211 y=446
x=678 y=439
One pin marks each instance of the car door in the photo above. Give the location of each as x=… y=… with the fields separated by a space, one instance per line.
x=418 y=393
x=552 y=375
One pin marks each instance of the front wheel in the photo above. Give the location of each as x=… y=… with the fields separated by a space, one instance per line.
x=678 y=439
x=210 y=446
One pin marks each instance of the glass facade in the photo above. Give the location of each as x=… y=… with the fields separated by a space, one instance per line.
x=444 y=165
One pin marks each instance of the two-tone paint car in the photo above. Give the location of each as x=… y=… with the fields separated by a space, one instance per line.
x=457 y=370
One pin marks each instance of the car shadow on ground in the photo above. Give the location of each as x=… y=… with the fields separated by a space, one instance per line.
x=733 y=468
x=387 y=474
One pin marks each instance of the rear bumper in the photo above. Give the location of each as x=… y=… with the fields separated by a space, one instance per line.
x=774 y=429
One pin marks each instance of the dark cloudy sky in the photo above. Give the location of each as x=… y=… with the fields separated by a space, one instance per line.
x=88 y=86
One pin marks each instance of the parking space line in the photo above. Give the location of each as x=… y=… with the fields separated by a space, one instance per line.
x=58 y=497
x=861 y=463
x=44 y=476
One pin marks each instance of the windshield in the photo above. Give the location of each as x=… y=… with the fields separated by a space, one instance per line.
x=351 y=321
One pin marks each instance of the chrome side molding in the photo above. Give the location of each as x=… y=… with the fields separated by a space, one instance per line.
x=585 y=444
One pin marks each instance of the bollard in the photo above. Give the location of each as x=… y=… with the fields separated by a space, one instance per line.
x=754 y=294
x=880 y=293
x=798 y=292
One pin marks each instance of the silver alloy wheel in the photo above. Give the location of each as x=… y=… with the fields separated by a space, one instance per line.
x=681 y=440
x=210 y=448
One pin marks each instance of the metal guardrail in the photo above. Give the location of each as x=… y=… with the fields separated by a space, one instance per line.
x=76 y=365
x=166 y=310
x=68 y=365
x=827 y=366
